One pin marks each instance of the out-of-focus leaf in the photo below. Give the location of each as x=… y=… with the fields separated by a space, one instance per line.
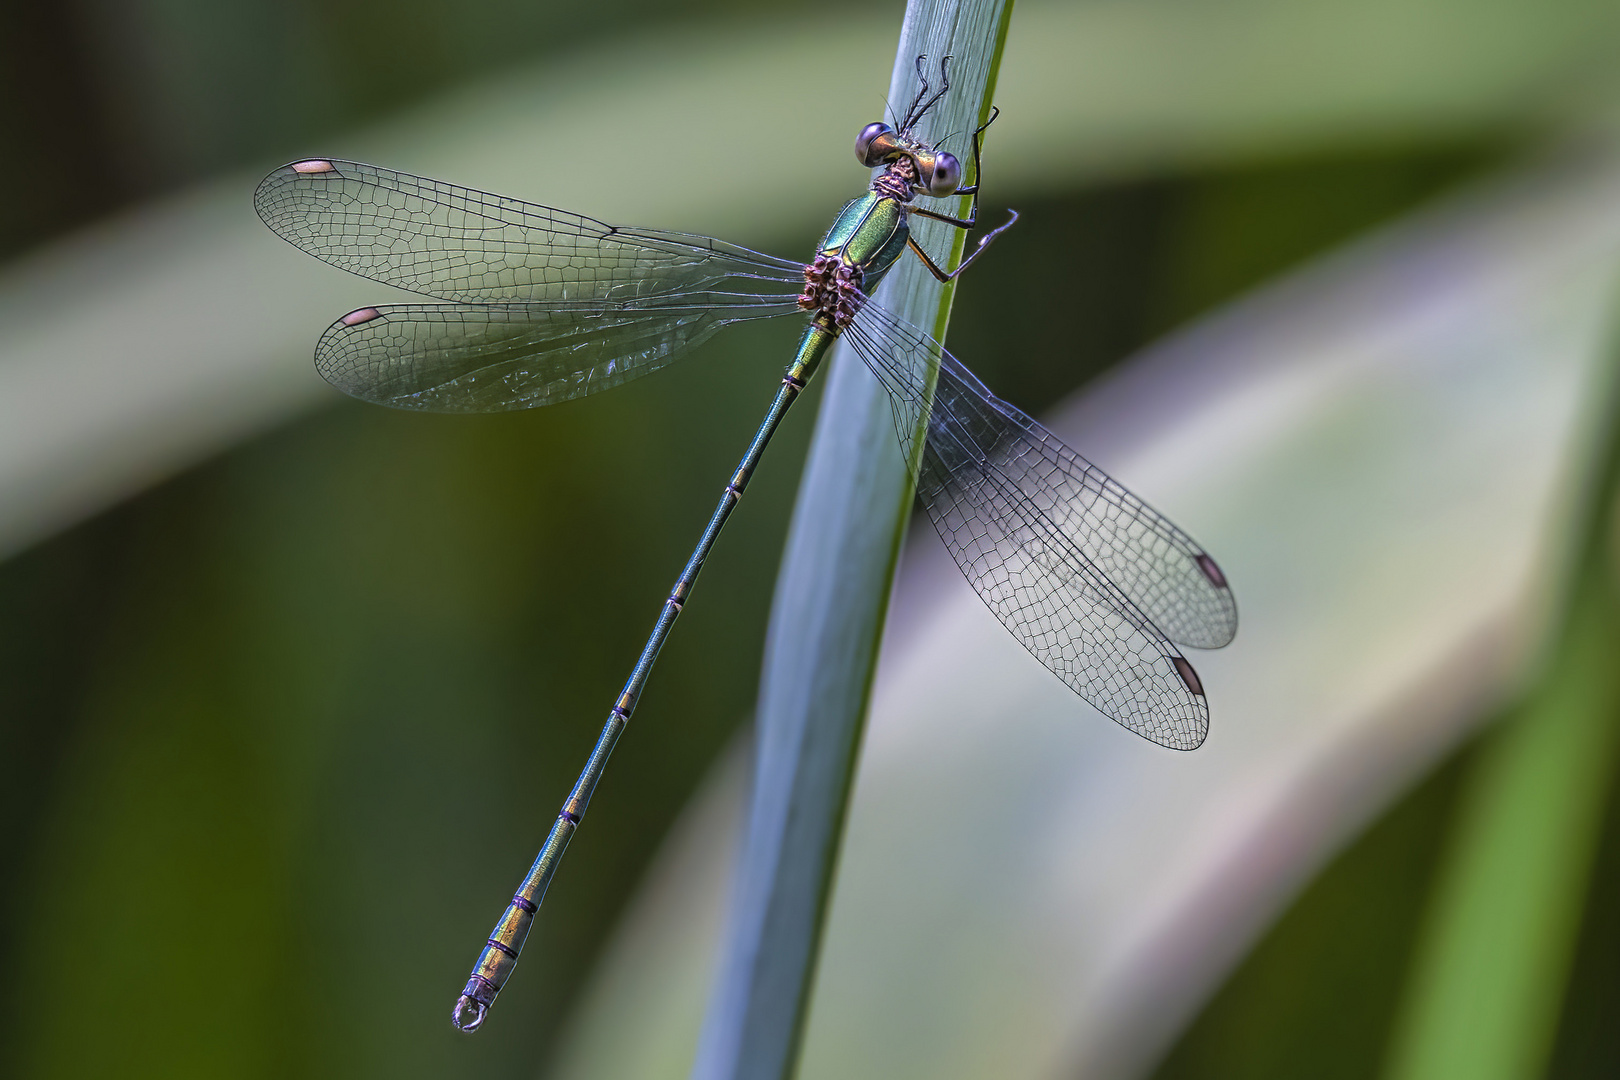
x=1376 y=450
x=1491 y=969
x=1499 y=936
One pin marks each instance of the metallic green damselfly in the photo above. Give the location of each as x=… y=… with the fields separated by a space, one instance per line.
x=546 y=306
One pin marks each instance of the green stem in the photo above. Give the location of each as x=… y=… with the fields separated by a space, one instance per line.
x=827 y=619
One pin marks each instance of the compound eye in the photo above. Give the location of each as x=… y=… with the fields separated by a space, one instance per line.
x=946 y=176
x=873 y=144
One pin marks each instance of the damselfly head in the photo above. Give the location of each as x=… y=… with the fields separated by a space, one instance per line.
x=938 y=173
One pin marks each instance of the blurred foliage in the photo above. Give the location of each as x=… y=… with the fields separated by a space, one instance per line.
x=111 y=101
x=276 y=736
x=1319 y=994
x=1488 y=977
x=1585 y=1043
x=1477 y=873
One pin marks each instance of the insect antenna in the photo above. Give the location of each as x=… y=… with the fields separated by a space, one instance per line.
x=889 y=110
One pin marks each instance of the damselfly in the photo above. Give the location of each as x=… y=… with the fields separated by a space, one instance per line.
x=546 y=306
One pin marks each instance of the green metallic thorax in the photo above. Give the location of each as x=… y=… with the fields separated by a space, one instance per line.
x=870 y=232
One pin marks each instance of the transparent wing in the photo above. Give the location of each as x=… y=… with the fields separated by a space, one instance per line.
x=1086 y=576
x=497 y=357
x=472 y=247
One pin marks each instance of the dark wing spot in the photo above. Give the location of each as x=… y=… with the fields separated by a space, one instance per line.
x=1188 y=675
x=1211 y=571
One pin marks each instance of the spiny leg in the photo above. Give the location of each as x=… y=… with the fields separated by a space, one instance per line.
x=911 y=112
x=963 y=223
x=919 y=108
x=945 y=85
x=973 y=210
x=984 y=242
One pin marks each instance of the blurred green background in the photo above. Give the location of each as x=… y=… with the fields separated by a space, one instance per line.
x=278 y=733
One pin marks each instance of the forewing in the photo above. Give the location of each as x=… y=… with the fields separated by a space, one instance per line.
x=1080 y=571
x=1164 y=572
x=498 y=357
x=469 y=246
